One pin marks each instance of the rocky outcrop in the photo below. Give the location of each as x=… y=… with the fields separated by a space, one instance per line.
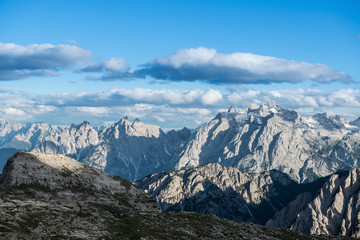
x=334 y=210
x=329 y=206
x=223 y=191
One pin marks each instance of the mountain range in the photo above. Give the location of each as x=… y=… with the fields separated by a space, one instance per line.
x=257 y=139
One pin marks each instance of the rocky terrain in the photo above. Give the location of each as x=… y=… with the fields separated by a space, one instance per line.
x=327 y=206
x=335 y=210
x=255 y=139
x=50 y=176
x=47 y=196
x=226 y=192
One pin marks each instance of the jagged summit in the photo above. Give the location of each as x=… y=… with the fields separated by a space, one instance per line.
x=78 y=126
x=231 y=109
x=136 y=128
x=330 y=122
x=264 y=110
x=252 y=107
x=355 y=122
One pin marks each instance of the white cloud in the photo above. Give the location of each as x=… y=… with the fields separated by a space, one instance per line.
x=97 y=111
x=203 y=64
x=13 y=111
x=211 y=97
x=117 y=65
x=296 y=98
x=17 y=62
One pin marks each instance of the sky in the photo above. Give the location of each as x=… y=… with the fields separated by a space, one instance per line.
x=175 y=63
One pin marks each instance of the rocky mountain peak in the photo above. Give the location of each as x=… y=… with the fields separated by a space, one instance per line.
x=7 y=127
x=184 y=133
x=355 y=122
x=83 y=124
x=330 y=122
x=231 y=109
x=252 y=107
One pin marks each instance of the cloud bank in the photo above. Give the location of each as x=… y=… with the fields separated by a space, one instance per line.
x=167 y=107
x=207 y=65
x=19 y=62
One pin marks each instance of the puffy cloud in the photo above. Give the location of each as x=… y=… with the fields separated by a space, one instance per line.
x=17 y=62
x=211 y=97
x=113 y=65
x=203 y=64
x=93 y=67
x=13 y=111
x=114 y=68
x=117 y=65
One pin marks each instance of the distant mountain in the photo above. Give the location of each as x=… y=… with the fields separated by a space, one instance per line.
x=47 y=196
x=327 y=206
x=134 y=149
x=128 y=149
x=266 y=137
x=256 y=139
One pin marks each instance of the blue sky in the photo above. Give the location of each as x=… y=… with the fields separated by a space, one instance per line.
x=175 y=63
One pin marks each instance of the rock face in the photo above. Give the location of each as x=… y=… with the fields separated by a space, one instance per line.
x=135 y=149
x=327 y=206
x=266 y=137
x=334 y=210
x=256 y=139
x=223 y=191
x=76 y=141
x=50 y=176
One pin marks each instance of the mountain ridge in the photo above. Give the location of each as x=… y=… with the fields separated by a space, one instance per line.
x=255 y=139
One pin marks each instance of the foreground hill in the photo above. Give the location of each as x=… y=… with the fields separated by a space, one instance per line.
x=328 y=206
x=47 y=196
x=60 y=178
